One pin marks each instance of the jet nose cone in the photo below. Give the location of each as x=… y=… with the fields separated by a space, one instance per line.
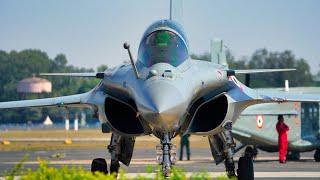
x=164 y=100
x=165 y=104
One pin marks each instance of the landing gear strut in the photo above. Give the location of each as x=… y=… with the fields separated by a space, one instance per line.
x=120 y=149
x=229 y=149
x=223 y=148
x=114 y=150
x=317 y=155
x=166 y=154
x=100 y=164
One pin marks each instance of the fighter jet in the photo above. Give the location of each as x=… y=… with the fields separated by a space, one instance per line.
x=166 y=93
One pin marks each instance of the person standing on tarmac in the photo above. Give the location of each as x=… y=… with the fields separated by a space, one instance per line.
x=184 y=142
x=246 y=163
x=282 y=130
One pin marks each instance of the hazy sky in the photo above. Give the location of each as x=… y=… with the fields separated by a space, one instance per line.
x=92 y=32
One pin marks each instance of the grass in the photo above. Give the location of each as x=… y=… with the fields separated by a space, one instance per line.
x=45 y=172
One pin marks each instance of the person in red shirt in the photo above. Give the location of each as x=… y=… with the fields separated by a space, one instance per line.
x=282 y=130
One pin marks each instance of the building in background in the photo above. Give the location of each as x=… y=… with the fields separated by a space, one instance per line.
x=34 y=85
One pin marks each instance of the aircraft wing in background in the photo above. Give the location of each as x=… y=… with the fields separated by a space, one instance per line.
x=276 y=96
x=78 y=100
x=245 y=97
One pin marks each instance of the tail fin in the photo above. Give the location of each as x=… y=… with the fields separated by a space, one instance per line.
x=176 y=10
x=218 y=54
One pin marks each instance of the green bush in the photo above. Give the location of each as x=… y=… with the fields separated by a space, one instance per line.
x=45 y=172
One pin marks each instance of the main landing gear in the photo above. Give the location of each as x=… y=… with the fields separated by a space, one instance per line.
x=223 y=148
x=100 y=165
x=120 y=149
x=114 y=148
x=229 y=149
x=115 y=151
x=245 y=164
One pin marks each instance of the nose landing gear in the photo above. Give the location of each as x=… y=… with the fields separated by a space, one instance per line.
x=166 y=154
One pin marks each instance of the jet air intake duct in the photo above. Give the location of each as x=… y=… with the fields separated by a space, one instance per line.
x=208 y=115
x=122 y=116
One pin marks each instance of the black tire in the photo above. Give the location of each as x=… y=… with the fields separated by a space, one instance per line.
x=293 y=156
x=99 y=165
x=255 y=152
x=114 y=167
x=245 y=169
x=317 y=155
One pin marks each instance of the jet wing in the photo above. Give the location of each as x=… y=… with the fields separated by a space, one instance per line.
x=271 y=109
x=245 y=97
x=78 y=100
x=275 y=96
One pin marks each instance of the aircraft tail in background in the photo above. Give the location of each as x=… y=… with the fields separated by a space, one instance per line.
x=218 y=53
x=176 y=11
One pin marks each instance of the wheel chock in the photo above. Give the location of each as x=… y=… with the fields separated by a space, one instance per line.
x=68 y=141
x=6 y=142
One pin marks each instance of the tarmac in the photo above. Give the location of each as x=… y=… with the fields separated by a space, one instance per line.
x=266 y=165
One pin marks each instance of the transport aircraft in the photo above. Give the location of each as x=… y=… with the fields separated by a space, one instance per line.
x=301 y=117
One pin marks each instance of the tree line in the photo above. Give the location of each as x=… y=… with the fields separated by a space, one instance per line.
x=15 y=66
x=264 y=59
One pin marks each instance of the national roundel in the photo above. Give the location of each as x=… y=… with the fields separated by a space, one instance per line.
x=260 y=120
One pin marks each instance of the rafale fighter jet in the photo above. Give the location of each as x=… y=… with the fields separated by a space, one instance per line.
x=165 y=93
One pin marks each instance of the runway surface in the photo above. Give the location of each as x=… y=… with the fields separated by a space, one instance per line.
x=266 y=166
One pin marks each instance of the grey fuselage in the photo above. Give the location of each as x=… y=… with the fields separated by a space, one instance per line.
x=163 y=94
x=170 y=93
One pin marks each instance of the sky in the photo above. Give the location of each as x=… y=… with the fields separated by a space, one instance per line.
x=92 y=32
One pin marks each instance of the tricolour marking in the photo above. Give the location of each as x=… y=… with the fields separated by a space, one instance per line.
x=260 y=121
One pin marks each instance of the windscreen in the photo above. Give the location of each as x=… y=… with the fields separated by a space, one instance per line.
x=162 y=46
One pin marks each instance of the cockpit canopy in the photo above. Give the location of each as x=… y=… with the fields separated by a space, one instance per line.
x=163 y=42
